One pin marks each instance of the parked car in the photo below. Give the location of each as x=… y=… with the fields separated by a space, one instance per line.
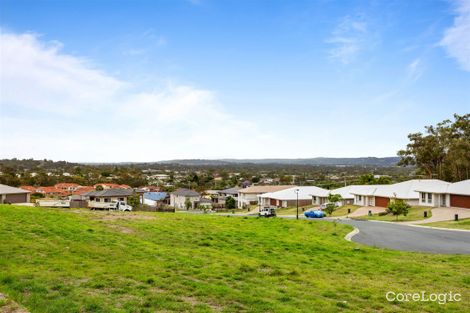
x=267 y=212
x=114 y=205
x=315 y=214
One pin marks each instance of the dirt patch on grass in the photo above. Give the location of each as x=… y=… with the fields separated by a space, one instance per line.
x=193 y=302
x=114 y=216
x=10 y=306
x=122 y=229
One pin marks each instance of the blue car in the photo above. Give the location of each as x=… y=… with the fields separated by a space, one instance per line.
x=315 y=214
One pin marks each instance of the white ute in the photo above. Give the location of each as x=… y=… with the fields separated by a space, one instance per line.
x=114 y=205
x=267 y=212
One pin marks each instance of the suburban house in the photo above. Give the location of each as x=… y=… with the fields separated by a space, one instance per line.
x=82 y=189
x=381 y=195
x=288 y=197
x=52 y=192
x=203 y=203
x=112 y=186
x=345 y=192
x=250 y=195
x=179 y=197
x=156 y=198
x=31 y=189
x=445 y=194
x=109 y=195
x=10 y=194
x=71 y=187
x=229 y=192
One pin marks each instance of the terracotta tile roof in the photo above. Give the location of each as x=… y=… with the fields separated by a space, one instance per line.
x=112 y=185
x=83 y=189
x=29 y=188
x=66 y=185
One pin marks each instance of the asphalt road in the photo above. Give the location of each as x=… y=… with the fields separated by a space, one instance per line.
x=409 y=238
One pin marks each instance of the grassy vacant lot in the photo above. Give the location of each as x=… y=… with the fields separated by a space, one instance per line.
x=461 y=224
x=58 y=260
x=416 y=213
x=343 y=210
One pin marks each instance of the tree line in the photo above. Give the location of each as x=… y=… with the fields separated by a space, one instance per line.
x=442 y=151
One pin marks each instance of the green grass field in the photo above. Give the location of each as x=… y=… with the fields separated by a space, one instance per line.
x=343 y=210
x=461 y=224
x=415 y=213
x=59 y=260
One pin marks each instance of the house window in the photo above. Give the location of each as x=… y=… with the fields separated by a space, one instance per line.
x=97 y=200
x=429 y=197
x=359 y=198
x=107 y=199
x=314 y=199
x=121 y=199
x=423 y=197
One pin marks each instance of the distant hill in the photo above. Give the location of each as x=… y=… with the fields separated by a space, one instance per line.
x=364 y=161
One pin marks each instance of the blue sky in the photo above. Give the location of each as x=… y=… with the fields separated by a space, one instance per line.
x=215 y=79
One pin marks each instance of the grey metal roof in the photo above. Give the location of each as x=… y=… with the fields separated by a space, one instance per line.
x=183 y=192
x=4 y=190
x=230 y=191
x=109 y=193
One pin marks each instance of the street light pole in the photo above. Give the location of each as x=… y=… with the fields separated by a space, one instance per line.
x=297 y=193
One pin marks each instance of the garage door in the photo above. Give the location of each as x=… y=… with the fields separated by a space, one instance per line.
x=460 y=201
x=381 y=202
x=16 y=198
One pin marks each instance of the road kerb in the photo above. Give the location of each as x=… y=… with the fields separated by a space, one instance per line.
x=354 y=232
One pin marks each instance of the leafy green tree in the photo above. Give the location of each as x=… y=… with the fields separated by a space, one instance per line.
x=384 y=180
x=443 y=151
x=331 y=206
x=230 y=203
x=134 y=200
x=398 y=207
x=366 y=179
x=187 y=203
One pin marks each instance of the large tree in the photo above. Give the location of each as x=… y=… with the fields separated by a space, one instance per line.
x=443 y=151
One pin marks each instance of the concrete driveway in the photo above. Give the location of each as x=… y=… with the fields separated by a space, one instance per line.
x=443 y=214
x=410 y=238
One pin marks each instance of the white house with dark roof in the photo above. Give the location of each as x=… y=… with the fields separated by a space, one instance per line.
x=108 y=195
x=179 y=197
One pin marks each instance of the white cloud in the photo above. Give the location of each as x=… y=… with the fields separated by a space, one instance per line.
x=55 y=105
x=456 y=40
x=415 y=69
x=348 y=39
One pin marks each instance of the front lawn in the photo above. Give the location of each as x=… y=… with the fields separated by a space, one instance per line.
x=415 y=213
x=461 y=224
x=293 y=210
x=343 y=210
x=63 y=260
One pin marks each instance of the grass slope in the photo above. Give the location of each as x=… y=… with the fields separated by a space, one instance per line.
x=343 y=210
x=293 y=210
x=415 y=213
x=461 y=224
x=57 y=260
